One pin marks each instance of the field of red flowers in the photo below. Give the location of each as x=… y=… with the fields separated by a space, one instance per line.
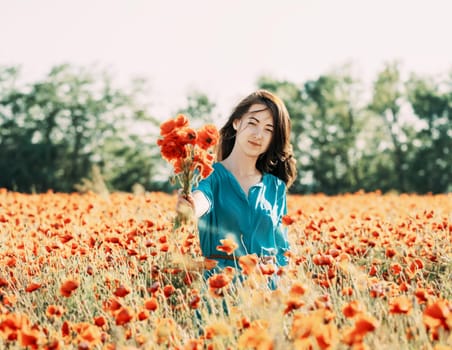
x=82 y=271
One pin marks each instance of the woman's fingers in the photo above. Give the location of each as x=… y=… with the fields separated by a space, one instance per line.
x=185 y=200
x=185 y=205
x=190 y=200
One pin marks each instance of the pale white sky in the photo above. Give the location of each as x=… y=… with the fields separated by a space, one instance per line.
x=222 y=47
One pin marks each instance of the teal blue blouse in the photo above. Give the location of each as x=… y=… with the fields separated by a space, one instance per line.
x=253 y=221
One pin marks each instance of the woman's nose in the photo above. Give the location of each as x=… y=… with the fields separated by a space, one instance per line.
x=258 y=133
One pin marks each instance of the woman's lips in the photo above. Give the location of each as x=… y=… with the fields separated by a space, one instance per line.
x=255 y=144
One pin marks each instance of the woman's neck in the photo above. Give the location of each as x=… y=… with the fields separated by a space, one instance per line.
x=241 y=165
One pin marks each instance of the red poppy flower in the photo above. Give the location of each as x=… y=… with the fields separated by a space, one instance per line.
x=438 y=314
x=267 y=269
x=121 y=291
x=287 y=220
x=323 y=259
x=154 y=288
x=87 y=333
x=390 y=252
x=3 y=282
x=151 y=304
x=195 y=344
x=207 y=136
x=293 y=304
x=172 y=149
x=187 y=150
x=32 y=287
x=143 y=315
x=363 y=325
x=422 y=295
x=194 y=302
x=297 y=289
x=209 y=264
x=202 y=161
x=68 y=287
x=29 y=337
x=219 y=281
x=347 y=291
x=179 y=122
x=54 y=310
x=353 y=308
x=65 y=329
x=112 y=305
x=400 y=305
x=100 y=321
x=187 y=136
x=227 y=245
x=248 y=263
x=168 y=290
x=123 y=316
x=396 y=269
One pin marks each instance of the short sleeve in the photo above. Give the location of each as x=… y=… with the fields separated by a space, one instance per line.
x=282 y=200
x=282 y=241
x=205 y=186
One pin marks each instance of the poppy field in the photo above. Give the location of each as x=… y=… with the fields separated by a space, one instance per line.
x=84 y=271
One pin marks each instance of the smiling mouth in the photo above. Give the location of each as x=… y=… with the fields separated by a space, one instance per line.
x=255 y=144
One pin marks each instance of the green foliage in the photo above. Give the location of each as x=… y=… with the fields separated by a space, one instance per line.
x=54 y=131
x=343 y=144
x=199 y=108
x=325 y=124
x=432 y=158
x=386 y=104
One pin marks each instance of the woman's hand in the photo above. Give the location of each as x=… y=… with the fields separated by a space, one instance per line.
x=185 y=206
x=192 y=206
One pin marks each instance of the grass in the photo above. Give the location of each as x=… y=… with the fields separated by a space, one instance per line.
x=367 y=271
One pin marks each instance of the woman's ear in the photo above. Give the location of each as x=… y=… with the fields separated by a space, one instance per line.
x=235 y=124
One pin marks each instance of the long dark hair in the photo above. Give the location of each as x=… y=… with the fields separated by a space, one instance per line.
x=278 y=159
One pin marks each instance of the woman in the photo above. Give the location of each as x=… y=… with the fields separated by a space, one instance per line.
x=244 y=198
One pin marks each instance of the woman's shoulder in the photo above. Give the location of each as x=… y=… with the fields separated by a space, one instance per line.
x=218 y=169
x=217 y=165
x=274 y=183
x=216 y=174
x=270 y=178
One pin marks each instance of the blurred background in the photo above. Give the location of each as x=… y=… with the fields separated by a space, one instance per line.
x=85 y=84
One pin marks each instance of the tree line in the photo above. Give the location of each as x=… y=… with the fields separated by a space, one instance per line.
x=74 y=130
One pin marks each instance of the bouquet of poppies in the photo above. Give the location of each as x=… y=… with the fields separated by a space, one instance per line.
x=190 y=151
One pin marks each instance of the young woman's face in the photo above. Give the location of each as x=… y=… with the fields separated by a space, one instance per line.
x=254 y=130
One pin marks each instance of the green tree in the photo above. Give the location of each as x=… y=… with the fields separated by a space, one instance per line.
x=325 y=123
x=292 y=96
x=53 y=131
x=332 y=103
x=199 y=108
x=431 y=164
x=394 y=144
